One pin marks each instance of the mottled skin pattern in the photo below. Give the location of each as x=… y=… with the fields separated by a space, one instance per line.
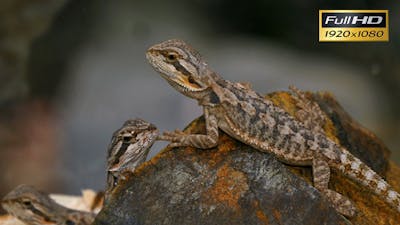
x=310 y=113
x=128 y=149
x=248 y=117
x=36 y=208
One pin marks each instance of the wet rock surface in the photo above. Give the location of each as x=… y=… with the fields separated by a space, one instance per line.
x=236 y=184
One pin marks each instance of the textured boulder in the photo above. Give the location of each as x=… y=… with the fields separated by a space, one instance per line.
x=236 y=184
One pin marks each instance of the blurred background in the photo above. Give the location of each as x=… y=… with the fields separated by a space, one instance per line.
x=71 y=72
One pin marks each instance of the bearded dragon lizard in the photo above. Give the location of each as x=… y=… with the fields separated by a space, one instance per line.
x=250 y=118
x=128 y=149
x=36 y=208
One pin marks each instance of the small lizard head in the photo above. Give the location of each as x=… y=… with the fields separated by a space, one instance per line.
x=130 y=144
x=31 y=206
x=180 y=65
x=128 y=149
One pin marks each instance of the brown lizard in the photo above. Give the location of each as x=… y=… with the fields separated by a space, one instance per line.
x=128 y=149
x=250 y=118
x=37 y=208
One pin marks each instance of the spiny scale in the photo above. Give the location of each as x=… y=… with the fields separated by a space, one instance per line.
x=247 y=116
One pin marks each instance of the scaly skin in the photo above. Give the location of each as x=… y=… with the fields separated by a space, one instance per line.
x=36 y=208
x=248 y=117
x=128 y=149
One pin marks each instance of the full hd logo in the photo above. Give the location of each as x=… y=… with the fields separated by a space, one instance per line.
x=353 y=25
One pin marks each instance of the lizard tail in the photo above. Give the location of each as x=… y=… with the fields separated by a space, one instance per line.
x=358 y=171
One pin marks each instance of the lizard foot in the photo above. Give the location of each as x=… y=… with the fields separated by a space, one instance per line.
x=321 y=174
x=176 y=138
x=341 y=203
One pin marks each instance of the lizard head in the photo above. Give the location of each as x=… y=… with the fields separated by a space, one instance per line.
x=31 y=206
x=181 y=66
x=129 y=148
x=130 y=144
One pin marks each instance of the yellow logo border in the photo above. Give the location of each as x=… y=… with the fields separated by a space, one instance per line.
x=323 y=30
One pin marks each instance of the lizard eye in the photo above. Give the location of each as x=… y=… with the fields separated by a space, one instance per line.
x=27 y=203
x=115 y=182
x=172 y=57
x=127 y=139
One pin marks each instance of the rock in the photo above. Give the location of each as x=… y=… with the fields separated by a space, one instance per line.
x=236 y=184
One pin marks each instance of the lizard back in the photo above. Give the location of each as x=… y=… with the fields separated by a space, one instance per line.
x=258 y=122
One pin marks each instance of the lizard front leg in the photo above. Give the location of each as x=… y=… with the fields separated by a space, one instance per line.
x=203 y=141
x=321 y=176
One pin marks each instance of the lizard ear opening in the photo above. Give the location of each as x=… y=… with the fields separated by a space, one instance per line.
x=191 y=80
x=193 y=83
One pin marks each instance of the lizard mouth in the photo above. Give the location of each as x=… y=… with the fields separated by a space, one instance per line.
x=183 y=83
